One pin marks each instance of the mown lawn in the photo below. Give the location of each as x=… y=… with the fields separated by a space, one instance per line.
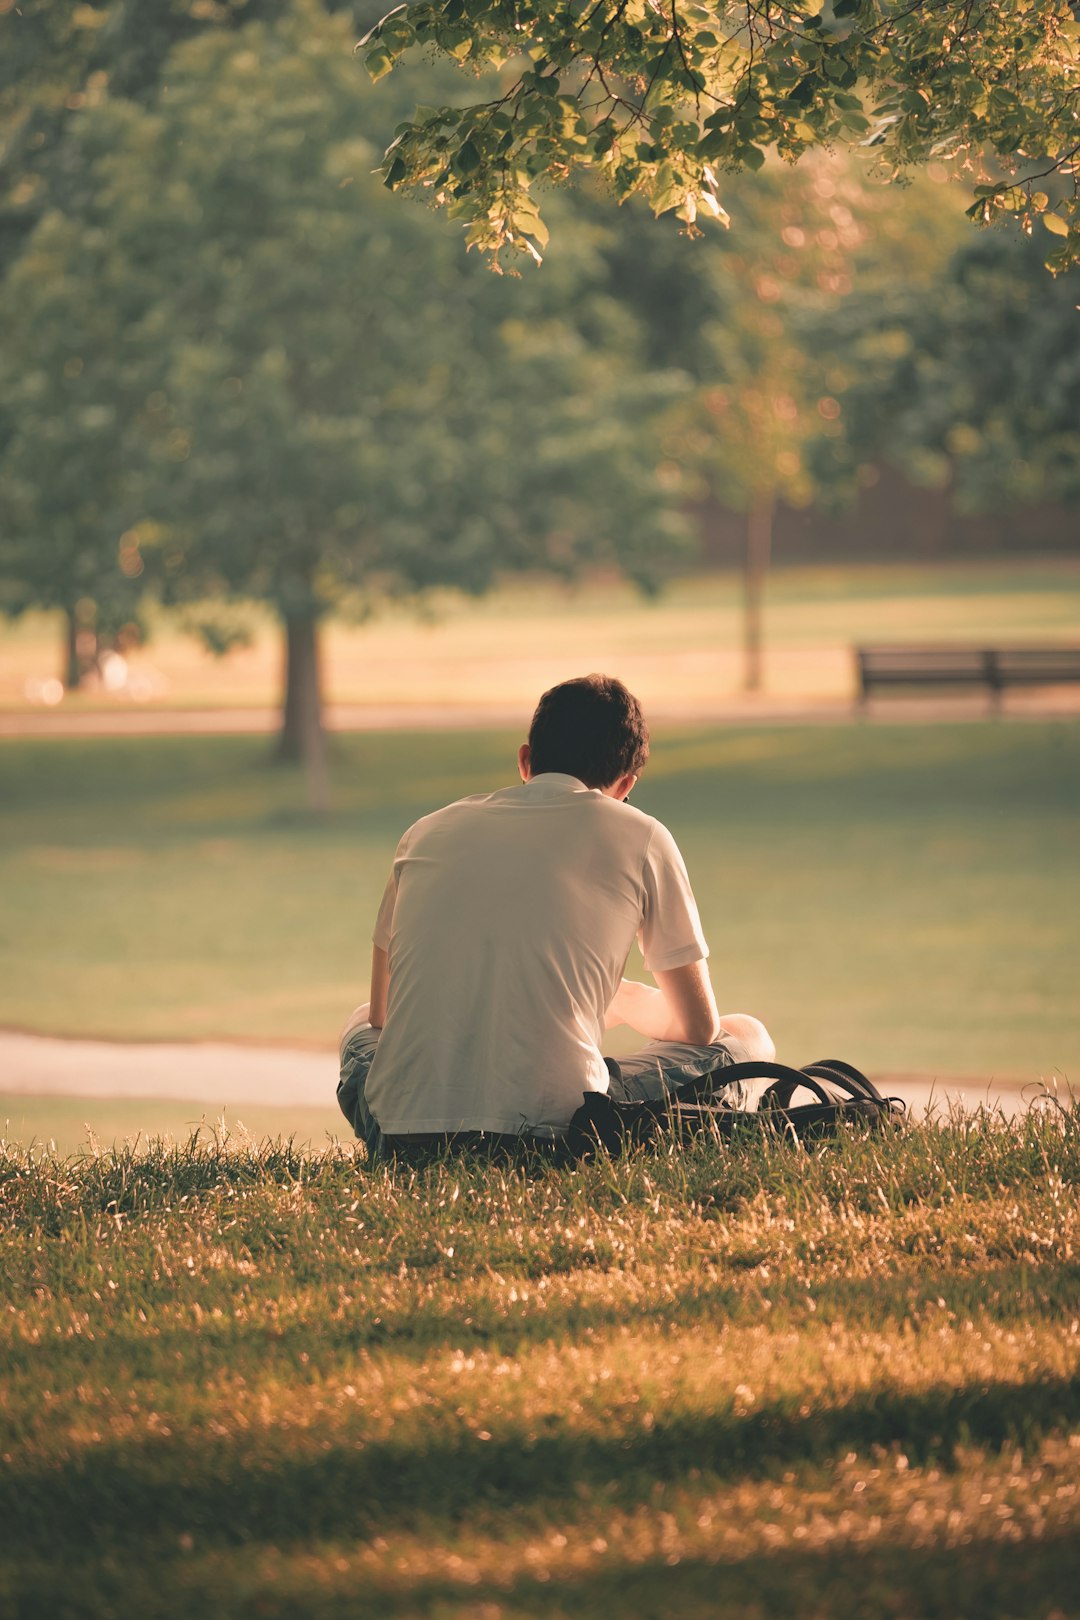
x=755 y=1381
x=87 y=1124
x=907 y=896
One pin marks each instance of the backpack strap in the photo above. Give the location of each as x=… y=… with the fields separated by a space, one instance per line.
x=846 y=1076
x=786 y=1081
x=834 y=1071
x=817 y=1078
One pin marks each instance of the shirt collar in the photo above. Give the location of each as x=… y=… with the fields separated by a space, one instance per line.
x=557 y=782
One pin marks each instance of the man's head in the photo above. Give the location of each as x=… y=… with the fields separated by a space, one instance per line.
x=591 y=728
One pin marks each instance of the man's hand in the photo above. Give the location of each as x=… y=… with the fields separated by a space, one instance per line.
x=683 y=1008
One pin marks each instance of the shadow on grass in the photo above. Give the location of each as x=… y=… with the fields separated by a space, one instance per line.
x=982 y=1579
x=275 y=1487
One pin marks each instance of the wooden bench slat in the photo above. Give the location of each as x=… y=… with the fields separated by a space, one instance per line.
x=1040 y=662
x=915 y=664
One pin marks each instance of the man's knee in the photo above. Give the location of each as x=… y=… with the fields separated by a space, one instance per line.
x=751 y=1033
x=350 y=1101
x=357 y=1054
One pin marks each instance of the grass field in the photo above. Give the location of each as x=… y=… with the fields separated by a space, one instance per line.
x=905 y=896
x=83 y=1124
x=758 y=1382
x=678 y=653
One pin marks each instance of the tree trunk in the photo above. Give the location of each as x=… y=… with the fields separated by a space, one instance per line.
x=302 y=737
x=759 y=527
x=72 y=676
x=288 y=743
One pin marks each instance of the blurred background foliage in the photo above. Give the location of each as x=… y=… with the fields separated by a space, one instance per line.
x=233 y=368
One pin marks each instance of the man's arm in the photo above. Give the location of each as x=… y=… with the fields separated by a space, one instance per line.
x=682 y=1008
x=380 y=984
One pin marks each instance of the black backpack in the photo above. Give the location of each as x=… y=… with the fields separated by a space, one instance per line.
x=844 y=1098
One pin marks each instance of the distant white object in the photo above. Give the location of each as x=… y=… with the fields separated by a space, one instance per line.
x=112 y=676
x=114 y=671
x=49 y=691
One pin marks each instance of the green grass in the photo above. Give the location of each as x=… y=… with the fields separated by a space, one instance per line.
x=242 y=1380
x=906 y=896
x=68 y=1125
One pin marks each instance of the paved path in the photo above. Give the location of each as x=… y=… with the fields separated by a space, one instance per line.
x=206 y=1072
x=227 y=1076
x=705 y=708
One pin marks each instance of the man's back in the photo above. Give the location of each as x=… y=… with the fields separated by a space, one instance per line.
x=507 y=921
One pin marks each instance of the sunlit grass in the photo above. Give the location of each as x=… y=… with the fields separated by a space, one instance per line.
x=248 y=1379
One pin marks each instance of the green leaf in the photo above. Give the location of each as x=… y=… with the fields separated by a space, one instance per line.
x=528 y=222
x=397 y=32
x=667 y=192
x=716 y=145
x=378 y=63
x=467 y=159
x=456 y=42
x=1056 y=224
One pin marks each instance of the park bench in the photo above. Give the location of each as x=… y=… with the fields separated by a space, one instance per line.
x=941 y=668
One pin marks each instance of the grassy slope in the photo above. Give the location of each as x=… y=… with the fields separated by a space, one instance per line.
x=758 y=1382
x=907 y=896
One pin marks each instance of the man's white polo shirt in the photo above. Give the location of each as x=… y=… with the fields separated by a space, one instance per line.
x=508 y=919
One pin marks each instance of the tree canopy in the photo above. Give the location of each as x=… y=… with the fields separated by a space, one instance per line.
x=235 y=368
x=232 y=366
x=663 y=97
x=975 y=389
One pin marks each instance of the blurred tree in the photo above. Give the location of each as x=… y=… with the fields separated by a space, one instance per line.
x=974 y=387
x=66 y=463
x=67 y=379
x=327 y=402
x=661 y=99
x=58 y=57
x=750 y=315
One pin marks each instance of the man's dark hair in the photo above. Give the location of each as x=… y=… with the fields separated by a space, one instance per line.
x=591 y=728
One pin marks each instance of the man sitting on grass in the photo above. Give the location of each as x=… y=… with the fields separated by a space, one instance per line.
x=501 y=940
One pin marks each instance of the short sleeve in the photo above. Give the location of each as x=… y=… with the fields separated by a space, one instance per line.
x=385 y=919
x=671 y=933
